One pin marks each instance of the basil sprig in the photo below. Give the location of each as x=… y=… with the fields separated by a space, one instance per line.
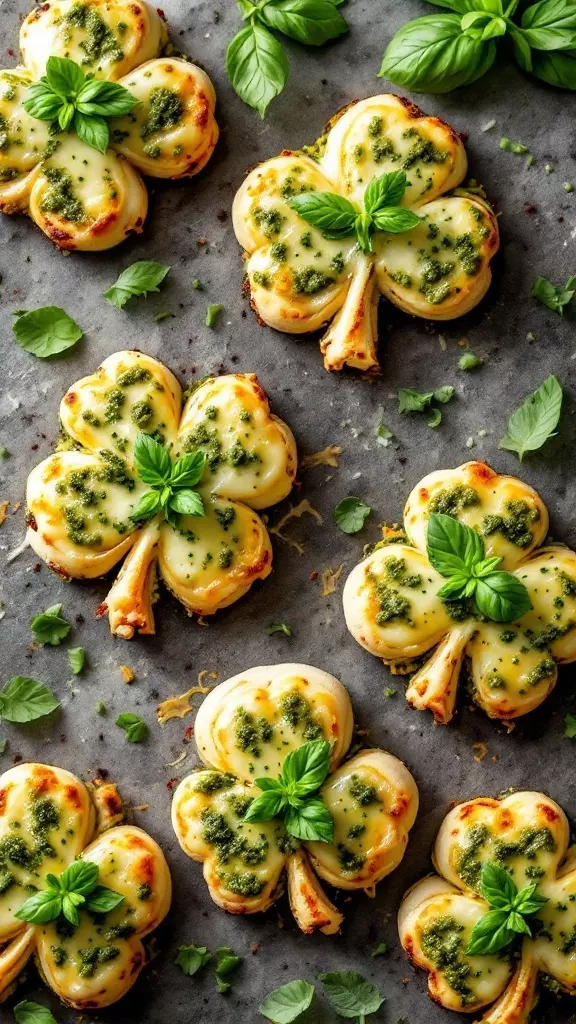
x=507 y=916
x=171 y=482
x=71 y=100
x=457 y=552
x=440 y=52
x=530 y=426
x=338 y=218
x=76 y=887
x=256 y=62
x=292 y=796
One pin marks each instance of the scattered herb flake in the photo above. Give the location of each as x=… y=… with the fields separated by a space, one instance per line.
x=351 y=513
x=212 y=314
x=278 y=627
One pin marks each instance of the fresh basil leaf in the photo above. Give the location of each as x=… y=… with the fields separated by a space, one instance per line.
x=257 y=66
x=432 y=54
x=363 y=229
x=308 y=766
x=267 y=806
x=102 y=900
x=146 y=507
x=109 y=99
x=24 y=700
x=351 y=513
x=80 y=877
x=550 y=25
x=530 y=426
x=152 y=461
x=502 y=597
x=557 y=67
x=555 y=297
x=395 y=220
x=382 y=948
x=453 y=548
x=279 y=627
x=529 y=904
x=497 y=887
x=189 y=503
x=70 y=908
x=490 y=934
x=135 y=727
x=386 y=190
x=41 y=102
x=456 y=587
x=187 y=471
x=313 y=22
x=312 y=822
x=469 y=361
x=41 y=907
x=138 y=279
x=65 y=116
x=32 y=1013
x=350 y=995
x=325 y=210
x=46 y=331
x=285 y=1004
x=192 y=958
x=495 y=28
x=522 y=50
x=487 y=566
x=570 y=727
x=92 y=130
x=64 y=76
x=461 y=6
x=443 y=394
x=226 y=963
x=76 y=659
x=49 y=627
x=414 y=401
x=517 y=924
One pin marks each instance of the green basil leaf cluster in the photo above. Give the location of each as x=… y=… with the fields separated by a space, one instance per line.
x=135 y=728
x=192 y=959
x=171 y=482
x=508 y=913
x=441 y=52
x=292 y=796
x=554 y=296
x=457 y=552
x=530 y=426
x=69 y=99
x=337 y=217
x=348 y=993
x=256 y=62
x=76 y=887
x=49 y=627
x=421 y=401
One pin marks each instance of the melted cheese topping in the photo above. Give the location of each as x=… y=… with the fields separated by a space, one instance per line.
x=391 y=605
x=22 y=141
x=130 y=863
x=243 y=862
x=373 y=800
x=498 y=507
x=106 y=37
x=248 y=724
x=87 y=200
x=251 y=454
x=210 y=561
x=434 y=929
x=298 y=279
x=386 y=133
x=172 y=132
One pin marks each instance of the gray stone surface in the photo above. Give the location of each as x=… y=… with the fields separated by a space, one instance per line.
x=322 y=409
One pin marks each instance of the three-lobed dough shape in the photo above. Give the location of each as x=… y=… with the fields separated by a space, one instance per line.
x=392 y=608
x=244 y=730
x=47 y=820
x=299 y=280
x=79 y=500
x=528 y=835
x=80 y=198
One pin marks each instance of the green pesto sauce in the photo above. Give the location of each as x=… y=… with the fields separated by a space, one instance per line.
x=297 y=712
x=467 y=253
x=225 y=516
x=141 y=414
x=237 y=455
x=165 y=110
x=421 y=151
x=92 y=957
x=401 y=278
x=251 y=732
x=59 y=955
x=391 y=603
x=100 y=42
x=309 y=281
x=262 y=278
x=279 y=252
x=451 y=501
x=468 y=864
x=543 y=670
x=136 y=375
x=213 y=782
x=244 y=883
x=82 y=486
x=529 y=844
x=355 y=830
x=364 y=793
x=115 y=399
x=443 y=945
x=350 y=862
x=567 y=584
x=144 y=892
x=218 y=833
x=269 y=220
x=514 y=524
x=396 y=570
x=60 y=196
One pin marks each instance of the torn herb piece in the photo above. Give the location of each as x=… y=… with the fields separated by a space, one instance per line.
x=212 y=314
x=469 y=361
x=554 y=297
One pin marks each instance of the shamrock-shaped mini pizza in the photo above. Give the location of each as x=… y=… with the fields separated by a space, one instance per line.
x=93 y=106
x=470 y=581
x=277 y=799
x=138 y=474
x=75 y=893
x=371 y=209
x=501 y=909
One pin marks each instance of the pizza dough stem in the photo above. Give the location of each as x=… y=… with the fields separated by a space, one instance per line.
x=130 y=600
x=311 y=907
x=435 y=686
x=352 y=337
x=519 y=999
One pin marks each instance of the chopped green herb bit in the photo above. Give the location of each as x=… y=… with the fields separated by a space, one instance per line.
x=278 y=627
x=212 y=314
x=469 y=361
